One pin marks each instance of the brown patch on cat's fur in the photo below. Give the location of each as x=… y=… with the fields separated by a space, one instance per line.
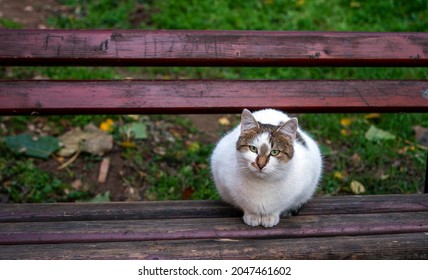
x=245 y=138
x=284 y=143
x=278 y=141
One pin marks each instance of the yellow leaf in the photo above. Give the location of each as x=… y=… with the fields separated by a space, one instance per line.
x=224 y=121
x=338 y=175
x=345 y=122
x=300 y=3
x=193 y=146
x=107 y=125
x=128 y=144
x=372 y=116
x=357 y=187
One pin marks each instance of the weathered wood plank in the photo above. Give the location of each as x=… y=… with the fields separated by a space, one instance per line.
x=149 y=97
x=323 y=205
x=212 y=228
x=211 y=48
x=396 y=246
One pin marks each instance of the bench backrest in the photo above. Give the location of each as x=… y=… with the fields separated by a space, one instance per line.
x=211 y=48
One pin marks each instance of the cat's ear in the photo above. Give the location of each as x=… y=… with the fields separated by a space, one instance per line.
x=289 y=128
x=248 y=121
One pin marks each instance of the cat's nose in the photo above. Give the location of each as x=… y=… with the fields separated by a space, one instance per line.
x=261 y=161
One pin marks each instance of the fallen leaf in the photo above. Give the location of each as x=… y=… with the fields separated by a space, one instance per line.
x=39 y=147
x=338 y=175
x=107 y=125
x=193 y=147
x=135 y=130
x=91 y=140
x=128 y=144
x=372 y=116
x=299 y=3
x=97 y=143
x=377 y=134
x=224 y=121
x=345 y=122
x=357 y=187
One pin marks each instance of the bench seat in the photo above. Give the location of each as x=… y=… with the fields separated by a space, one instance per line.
x=351 y=227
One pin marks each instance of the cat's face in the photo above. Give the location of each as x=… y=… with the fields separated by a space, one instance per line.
x=264 y=149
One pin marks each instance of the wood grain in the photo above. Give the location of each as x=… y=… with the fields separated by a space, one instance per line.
x=212 y=228
x=323 y=205
x=211 y=48
x=184 y=96
x=395 y=246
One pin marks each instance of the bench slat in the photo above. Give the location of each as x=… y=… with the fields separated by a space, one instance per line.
x=211 y=48
x=324 y=205
x=395 y=246
x=196 y=96
x=211 y=228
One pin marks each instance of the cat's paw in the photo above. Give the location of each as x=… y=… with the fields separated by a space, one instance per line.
x=252 y=219
x=269 y=220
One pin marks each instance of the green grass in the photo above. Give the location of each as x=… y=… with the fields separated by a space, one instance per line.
x=178 y=167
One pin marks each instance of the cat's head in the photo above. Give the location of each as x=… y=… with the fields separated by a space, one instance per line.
x=264 y=149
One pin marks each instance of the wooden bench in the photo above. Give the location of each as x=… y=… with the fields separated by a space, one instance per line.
x=347 y=227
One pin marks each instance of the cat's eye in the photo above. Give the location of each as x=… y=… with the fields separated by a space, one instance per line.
x=274 y=153
x=253 y=149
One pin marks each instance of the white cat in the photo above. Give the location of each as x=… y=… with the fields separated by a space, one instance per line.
x=266 y=166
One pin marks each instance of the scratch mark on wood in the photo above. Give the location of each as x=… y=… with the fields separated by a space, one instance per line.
x=103 y=47
x=316 y=55
x=48 y=37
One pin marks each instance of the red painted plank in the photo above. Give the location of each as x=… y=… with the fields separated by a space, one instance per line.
x=167 y=97
x=211 y=48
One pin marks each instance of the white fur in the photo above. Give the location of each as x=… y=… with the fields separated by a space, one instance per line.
x=279 y=187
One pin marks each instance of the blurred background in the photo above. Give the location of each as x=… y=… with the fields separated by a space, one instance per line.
x=166 y=157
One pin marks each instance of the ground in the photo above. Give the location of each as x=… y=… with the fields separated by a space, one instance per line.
x=34 y=14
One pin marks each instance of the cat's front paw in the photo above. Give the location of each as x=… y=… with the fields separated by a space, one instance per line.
x=252 y=219
x=269 y=220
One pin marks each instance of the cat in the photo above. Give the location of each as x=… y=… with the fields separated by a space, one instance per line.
x=266 y=166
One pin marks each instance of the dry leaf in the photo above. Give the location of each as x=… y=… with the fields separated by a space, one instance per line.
x=357 y=187
x=93 y=141
x=372 y=116
x=345 y=122
x=377 y=134
x=224 y=121
x=338 y=175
